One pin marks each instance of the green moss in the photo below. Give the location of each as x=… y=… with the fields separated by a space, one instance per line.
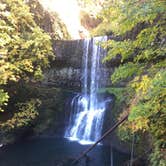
x=123 y=96
x=51 y=112
x=30 y=117
x=23 y=119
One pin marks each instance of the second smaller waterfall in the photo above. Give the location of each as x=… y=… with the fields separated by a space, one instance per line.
x=87 y=112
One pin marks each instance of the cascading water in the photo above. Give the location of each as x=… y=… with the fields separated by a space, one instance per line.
x=87 y=112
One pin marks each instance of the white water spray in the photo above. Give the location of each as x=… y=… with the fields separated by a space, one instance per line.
x=87 y=115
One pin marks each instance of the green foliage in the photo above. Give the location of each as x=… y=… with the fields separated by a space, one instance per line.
x=125 y=71
x=157 y=157
x=3 y=99
x=25 y=49
x=27 y=113
x=142 y=50
x=130 y=13
x=153 y=96
x=125 y=49
x=122 y=94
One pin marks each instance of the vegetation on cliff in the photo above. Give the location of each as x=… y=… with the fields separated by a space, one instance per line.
x=48 y=21
x=141 y=30
x=25 y=51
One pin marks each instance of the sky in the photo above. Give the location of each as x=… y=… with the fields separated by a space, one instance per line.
x=68 y=11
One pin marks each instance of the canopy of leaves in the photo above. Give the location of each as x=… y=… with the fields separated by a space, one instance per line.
x=143 y=62
x=25 y=49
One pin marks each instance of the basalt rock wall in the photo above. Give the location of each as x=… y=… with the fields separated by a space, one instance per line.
x=66 y=69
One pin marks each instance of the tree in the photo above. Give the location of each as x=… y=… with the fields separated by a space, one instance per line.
x=25 y=49
x=141 y=28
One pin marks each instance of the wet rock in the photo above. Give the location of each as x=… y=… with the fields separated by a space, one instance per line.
x=66 y=69
x=63 y=77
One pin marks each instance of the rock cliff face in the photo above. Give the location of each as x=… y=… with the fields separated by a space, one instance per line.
x=66 y=69
x=49 y=21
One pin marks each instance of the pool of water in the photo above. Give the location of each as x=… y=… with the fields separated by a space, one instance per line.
x=52 y=151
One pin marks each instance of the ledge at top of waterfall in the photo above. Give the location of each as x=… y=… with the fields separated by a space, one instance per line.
x=87 y=111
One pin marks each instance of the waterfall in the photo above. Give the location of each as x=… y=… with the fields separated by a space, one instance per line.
x=87 y=112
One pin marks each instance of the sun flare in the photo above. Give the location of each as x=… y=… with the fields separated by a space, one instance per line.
x=69 y=12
